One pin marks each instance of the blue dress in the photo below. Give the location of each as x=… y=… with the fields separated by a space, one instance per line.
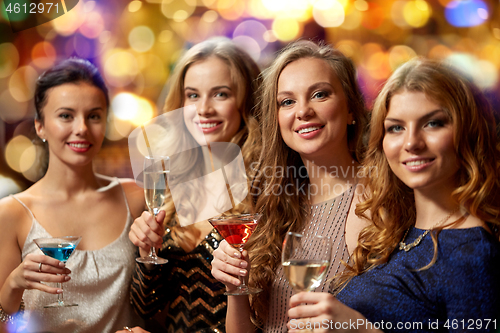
x=459 y=293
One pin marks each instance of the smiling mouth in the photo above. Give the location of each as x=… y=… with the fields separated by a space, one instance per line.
x=418 y=162
x=309 y=129
x=80 y=145
x=208 y=125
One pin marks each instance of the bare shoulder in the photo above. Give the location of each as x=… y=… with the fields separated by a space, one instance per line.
x=135 y=196
x=13 y=216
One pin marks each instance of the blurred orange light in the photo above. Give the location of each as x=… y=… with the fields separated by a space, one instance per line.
x=43 y=55
x=286 y=29
x=22 y=83
x=9 y=59
x=373 y=17
x=417 y=13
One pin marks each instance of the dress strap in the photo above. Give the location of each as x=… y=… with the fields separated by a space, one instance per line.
x=124 y=196
x=22 y=203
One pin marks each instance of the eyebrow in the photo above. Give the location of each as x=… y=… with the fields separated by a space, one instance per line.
x=73 y=110
x=311 y=88
x=428 y=115
x=212 y=89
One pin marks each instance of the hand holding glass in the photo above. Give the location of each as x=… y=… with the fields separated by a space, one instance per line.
x=59 y=248
x=155 y=171
x=236 y=230
x=305 y=260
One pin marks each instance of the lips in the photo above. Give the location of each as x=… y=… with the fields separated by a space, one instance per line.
x=417 y=164
x=308 y=131
x=80 y=146
x=208 y=126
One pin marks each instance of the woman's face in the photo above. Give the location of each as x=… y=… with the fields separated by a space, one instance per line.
x=74 y=122
x=312 y=109
x=209 y=87
x=418 y=142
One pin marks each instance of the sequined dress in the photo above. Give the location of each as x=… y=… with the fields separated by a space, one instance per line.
x=100 y=284
x=459 y=293
x=181 y=295
x=327 y=219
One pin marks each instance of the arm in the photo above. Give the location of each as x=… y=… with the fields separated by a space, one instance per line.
x=16 y=276
x=226 y=265
x=321 y=311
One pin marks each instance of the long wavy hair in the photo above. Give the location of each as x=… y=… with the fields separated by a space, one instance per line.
x=245 y=79
x=282 y=213
x=390 y=202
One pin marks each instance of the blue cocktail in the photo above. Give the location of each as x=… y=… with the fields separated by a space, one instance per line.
x=59 y=248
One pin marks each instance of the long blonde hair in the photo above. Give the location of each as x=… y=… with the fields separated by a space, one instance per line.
x=390 y=202
x=244 y=74
x=282 y=213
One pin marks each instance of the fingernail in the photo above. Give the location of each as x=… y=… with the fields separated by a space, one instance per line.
x=61 y=264
x=243 y=264
x=243 y=272
x=66 y=278
x=237 y=255
x=59 y=291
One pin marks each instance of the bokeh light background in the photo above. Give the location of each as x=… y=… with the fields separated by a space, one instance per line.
x=136 y=43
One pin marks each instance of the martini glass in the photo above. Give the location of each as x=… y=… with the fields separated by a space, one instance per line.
x=236 y=230
x=59 y=248
x=305 y=266
x=155 y=171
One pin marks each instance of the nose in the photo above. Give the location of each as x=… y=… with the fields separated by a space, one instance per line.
x=81 y=127
x=205 y=107
x=414 y=141
x=305 y=111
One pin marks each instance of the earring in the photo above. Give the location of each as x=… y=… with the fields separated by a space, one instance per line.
x=353 y=122
x=43 y=140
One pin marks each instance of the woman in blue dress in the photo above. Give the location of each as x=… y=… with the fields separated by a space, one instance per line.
x=429 y=259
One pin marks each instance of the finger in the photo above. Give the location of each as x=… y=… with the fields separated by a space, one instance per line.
x=230 y=257
x=310 y=298
x=44 y=288
x=142 y=234
x=135 y=239
x=227 y=274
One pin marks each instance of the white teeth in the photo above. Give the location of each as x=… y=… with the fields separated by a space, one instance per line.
x=207 y=125
x=309 y=129
x=79 y=145
x=415 y=163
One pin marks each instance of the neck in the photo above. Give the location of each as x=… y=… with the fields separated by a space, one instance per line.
x=433 y=206
x=330 y=176
x=70 y=180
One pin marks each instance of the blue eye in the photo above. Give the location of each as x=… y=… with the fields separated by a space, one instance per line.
x=192 y=96
x=435 y=123
x=320 y=94
x=286 y=102
x=394 y=129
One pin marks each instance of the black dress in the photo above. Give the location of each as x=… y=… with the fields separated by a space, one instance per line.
x=181 y=295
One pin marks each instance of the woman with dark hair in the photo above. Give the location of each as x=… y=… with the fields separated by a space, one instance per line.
x=312 y=115
x=219 y=80
x=429 y=259
x=71 y=102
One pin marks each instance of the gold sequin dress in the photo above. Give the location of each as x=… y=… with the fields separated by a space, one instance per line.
x=181 y=295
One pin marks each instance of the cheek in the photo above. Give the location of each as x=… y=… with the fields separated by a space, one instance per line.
x=391 y=147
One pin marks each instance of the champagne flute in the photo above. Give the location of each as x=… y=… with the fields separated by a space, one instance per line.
x=236 y=230
x=304 y=265
x=59 y=248
x=155 y=172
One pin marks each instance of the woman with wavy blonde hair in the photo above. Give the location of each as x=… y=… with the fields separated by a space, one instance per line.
x=429 y=259
x=219 y=79
x=312 y=115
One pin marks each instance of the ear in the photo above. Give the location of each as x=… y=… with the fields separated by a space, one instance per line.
x=40 y=130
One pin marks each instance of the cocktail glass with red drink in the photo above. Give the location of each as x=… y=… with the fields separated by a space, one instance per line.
x=236 y=230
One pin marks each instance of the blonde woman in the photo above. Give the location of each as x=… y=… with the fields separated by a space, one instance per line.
x=219 y=79
x=312 y=115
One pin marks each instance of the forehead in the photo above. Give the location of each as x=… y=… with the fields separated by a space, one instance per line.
x=411 y=105
x=78 y=93
x=302 y=73
x=212 y=70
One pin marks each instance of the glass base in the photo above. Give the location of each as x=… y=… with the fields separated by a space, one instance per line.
x=60 y=305
x=243 y=291
x=151 y=260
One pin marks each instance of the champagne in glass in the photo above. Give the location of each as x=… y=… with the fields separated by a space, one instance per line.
x=59 y=248
x=236 y=230
x=156 y=170
x=304 y=266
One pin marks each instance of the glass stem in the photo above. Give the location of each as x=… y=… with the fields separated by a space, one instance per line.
x=243 y=285
x=152 y=251
x=60 y=298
